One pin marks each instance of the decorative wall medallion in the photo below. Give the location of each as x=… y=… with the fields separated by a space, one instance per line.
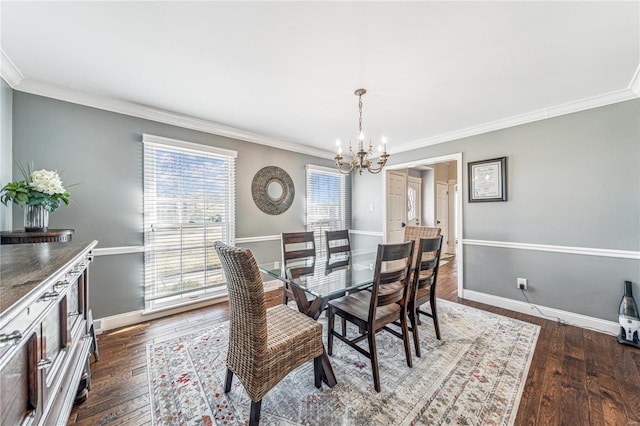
x=272 y=190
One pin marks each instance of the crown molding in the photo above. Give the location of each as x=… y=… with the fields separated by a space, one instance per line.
x=8 y=70
x=14 y=77
x=632 y=92
x=119 y=106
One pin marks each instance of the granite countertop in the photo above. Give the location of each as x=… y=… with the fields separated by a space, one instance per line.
x=24 y=267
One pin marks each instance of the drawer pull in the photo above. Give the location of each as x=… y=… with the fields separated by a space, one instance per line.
x=60 y=285
x=78 y=268
x=73 y=314
x=44 y=363
x=50 y=295
x=11 y=338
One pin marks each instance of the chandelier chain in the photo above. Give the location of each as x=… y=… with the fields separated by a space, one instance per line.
x=360 y=119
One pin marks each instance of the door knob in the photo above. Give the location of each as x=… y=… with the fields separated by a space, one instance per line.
x=404 y=224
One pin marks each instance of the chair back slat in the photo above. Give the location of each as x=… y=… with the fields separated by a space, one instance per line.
x=247 y=307
x=337 y=242
x=391 y=277
x=299 y=250
x=338 y=248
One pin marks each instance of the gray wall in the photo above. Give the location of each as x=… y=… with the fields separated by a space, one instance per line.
x=102 y=152
x=6 y=116
x=572 y=180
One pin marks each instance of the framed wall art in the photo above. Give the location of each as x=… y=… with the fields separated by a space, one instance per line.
x=488 y=180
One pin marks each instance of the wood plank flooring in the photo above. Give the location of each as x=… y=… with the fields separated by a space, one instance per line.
x=577 y=376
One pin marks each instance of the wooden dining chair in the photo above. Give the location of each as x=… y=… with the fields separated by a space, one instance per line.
x=338 y=248
x=265 y=345
x=372 y=310
x=298 y=247
x=423 y=286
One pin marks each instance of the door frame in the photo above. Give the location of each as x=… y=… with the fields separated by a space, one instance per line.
x=459 y=214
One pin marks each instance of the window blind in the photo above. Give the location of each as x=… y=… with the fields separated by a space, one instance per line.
x=327 y=203
x=189 y=202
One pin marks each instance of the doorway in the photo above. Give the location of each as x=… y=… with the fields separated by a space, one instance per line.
x=434 y=184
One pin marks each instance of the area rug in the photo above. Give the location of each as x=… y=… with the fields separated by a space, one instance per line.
x=473 y=376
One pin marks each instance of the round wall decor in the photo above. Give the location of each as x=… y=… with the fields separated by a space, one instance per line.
x=272 y=190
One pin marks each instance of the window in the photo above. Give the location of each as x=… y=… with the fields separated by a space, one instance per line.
x=189 y=202
x=327 y=207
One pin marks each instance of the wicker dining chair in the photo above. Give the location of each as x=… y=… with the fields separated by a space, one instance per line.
x=298 y=247
x=416 y=232
x=423 y=286
x=265 y=345
x=373 y=310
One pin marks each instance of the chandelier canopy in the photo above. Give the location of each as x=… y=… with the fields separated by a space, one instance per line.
x=362 y=159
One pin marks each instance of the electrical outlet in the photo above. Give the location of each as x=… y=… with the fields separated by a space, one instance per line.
x=521 y=283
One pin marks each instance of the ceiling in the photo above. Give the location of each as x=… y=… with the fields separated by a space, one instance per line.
x=284 y=73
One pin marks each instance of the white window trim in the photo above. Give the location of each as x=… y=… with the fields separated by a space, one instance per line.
x=189 y=146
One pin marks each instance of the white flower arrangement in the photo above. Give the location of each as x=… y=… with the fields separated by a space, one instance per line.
x=38 y=187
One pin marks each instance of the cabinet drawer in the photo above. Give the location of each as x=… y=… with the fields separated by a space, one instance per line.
x=18 y=381
x=55 y=340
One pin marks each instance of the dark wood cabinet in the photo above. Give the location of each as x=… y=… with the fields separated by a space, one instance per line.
x=50 y=236
x=44 y=330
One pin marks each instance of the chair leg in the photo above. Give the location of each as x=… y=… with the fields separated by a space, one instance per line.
x=344 y=327
x=330 y=324
x=434 y=313
x=285 y=299
x=227 y=383
x=405 y=336
x=374 y=359
x=317 y=371
x=254 y=415
x=414 y=330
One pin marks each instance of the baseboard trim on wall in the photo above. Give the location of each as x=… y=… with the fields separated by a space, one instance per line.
x=135 y=317
x=571 y=318
x=585 y=251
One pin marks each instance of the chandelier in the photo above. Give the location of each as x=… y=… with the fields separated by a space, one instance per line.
x=361 y=160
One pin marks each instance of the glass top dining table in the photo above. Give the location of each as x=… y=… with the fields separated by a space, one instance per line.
x=329 y=279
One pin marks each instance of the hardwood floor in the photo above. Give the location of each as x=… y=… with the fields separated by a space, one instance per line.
x=577 y=376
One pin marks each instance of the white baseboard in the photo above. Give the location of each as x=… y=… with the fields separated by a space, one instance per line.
x=135 y=317
x=571 y=318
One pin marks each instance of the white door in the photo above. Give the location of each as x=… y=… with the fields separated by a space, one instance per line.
x=442 y=213
x=414 y=201
x=396 y=206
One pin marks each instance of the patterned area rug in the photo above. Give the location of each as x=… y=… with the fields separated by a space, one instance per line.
x=474 y=376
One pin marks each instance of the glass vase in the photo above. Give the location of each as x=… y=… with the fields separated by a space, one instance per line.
x=36 y=218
